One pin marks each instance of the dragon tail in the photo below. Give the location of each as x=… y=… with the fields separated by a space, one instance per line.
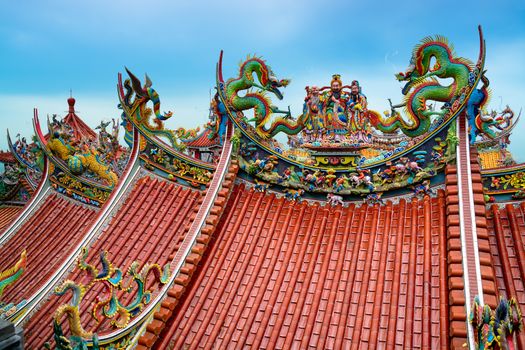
x=416 y=110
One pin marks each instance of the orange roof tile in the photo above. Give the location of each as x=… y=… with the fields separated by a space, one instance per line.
x=281 y=274
x=7 y=214
x=506 y=227
x=203 y=141
x=148 y=227
x=7 y=157
x=48 y=235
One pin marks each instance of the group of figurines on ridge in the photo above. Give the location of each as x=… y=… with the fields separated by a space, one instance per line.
x=105 y=146
x=26 y=151
x=336 y=114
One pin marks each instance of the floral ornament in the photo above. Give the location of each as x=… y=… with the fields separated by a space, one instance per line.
x=516 y=180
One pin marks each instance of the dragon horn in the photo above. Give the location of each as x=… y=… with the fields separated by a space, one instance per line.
x=135 y=83
x=147 y=82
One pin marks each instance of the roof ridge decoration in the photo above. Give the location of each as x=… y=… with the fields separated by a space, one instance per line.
x=407 y=172
x=504 y=184
x=351 y=163
x=142 y=117
x=10 y=275
x=82 y=157
x=424 y=122
x=83 y=169
x=29 y=157
x=10 y=182
x=259 y=100
x=108 y=306
x=419 y=191
x=166 y=160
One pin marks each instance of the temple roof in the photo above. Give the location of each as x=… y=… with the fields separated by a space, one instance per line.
x=202 y=141
x=7 y=157
x=282 y=274
x=48 y=236
x=80 y=128
x=255 y=264
x=148 y=228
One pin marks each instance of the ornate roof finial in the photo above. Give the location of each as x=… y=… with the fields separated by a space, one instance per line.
x=71 y=102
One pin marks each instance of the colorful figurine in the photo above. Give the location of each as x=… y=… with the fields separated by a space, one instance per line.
x=334 y=200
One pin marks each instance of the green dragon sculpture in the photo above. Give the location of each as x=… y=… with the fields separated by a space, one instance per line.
x=10 y=276
x=59 y=147
x=108 y=307
x=487 y=122
x=422 y=86
x=141 y=114
x=259 y=101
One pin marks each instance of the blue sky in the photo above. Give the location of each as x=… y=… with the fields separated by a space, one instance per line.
x=50 y=47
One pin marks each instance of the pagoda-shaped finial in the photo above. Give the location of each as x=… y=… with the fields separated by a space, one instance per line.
x=71 y=102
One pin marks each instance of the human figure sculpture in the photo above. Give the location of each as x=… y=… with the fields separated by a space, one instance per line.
x=356 y=107
x=313 y=107
x=334 y=108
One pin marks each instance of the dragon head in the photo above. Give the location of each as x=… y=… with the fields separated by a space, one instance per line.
x=410 y=75
x=273 y=84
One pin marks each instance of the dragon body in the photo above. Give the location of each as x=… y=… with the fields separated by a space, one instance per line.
x=60 y=148
x=80 y=160
x=219 y=121
x=10 y=276
x=185 y=134
x=259 y=100
x=484 y=124
x=71 y=310
x=478 y=99
x=422 y=87
x=489 y=126
x=91 y=161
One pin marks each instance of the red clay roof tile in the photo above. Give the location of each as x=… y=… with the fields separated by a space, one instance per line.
x=7 y=214
x=7 y=157
x=49 y=235
x=506 y=228
x=284 y=274
x=203 y=141
x=145 y=228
